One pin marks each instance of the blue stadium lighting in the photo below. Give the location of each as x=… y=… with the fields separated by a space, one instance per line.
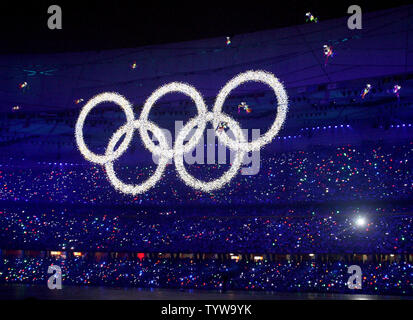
x=402 y=125
x=326 y=127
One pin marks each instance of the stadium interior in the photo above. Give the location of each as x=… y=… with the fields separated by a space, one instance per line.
x=334 y=188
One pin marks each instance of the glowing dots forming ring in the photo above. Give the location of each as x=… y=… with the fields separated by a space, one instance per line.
x=282 y=98
x=127 y=108
x=226 y=177
x=155 y=96
x=240 y=145
x=150 y=182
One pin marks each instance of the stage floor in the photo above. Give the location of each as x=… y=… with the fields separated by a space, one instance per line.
x=18 y=292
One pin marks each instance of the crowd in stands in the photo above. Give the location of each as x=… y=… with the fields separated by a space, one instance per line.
x=378 y=172
x=301 y=202
x=287 y=276
x=281 y=231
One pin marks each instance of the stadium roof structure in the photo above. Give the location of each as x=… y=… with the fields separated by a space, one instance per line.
x=383 y=48
x=294 y=54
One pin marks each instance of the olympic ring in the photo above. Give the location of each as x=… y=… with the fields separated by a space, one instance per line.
x=156 y=95
x=240 y=144
x=224 y=179
x=127 y=108
x=260 y=76
x=136 y=189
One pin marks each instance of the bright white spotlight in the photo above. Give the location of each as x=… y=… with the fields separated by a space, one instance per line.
x=361 y=221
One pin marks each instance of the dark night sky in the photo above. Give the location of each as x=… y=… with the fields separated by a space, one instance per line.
x=96 y=25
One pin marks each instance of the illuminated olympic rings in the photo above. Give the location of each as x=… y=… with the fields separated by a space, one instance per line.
x=240 y=145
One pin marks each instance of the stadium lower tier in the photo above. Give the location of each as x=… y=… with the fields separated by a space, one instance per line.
x=290 y=232
x=287 y=276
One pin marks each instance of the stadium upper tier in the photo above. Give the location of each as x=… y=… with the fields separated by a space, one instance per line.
x=375 y=172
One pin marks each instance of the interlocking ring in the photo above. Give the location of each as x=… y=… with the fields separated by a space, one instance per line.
x=225 y=178
x=127 y=108
x=282 y=99
x=155 y=96
x=240 y=145
x=163 y=160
